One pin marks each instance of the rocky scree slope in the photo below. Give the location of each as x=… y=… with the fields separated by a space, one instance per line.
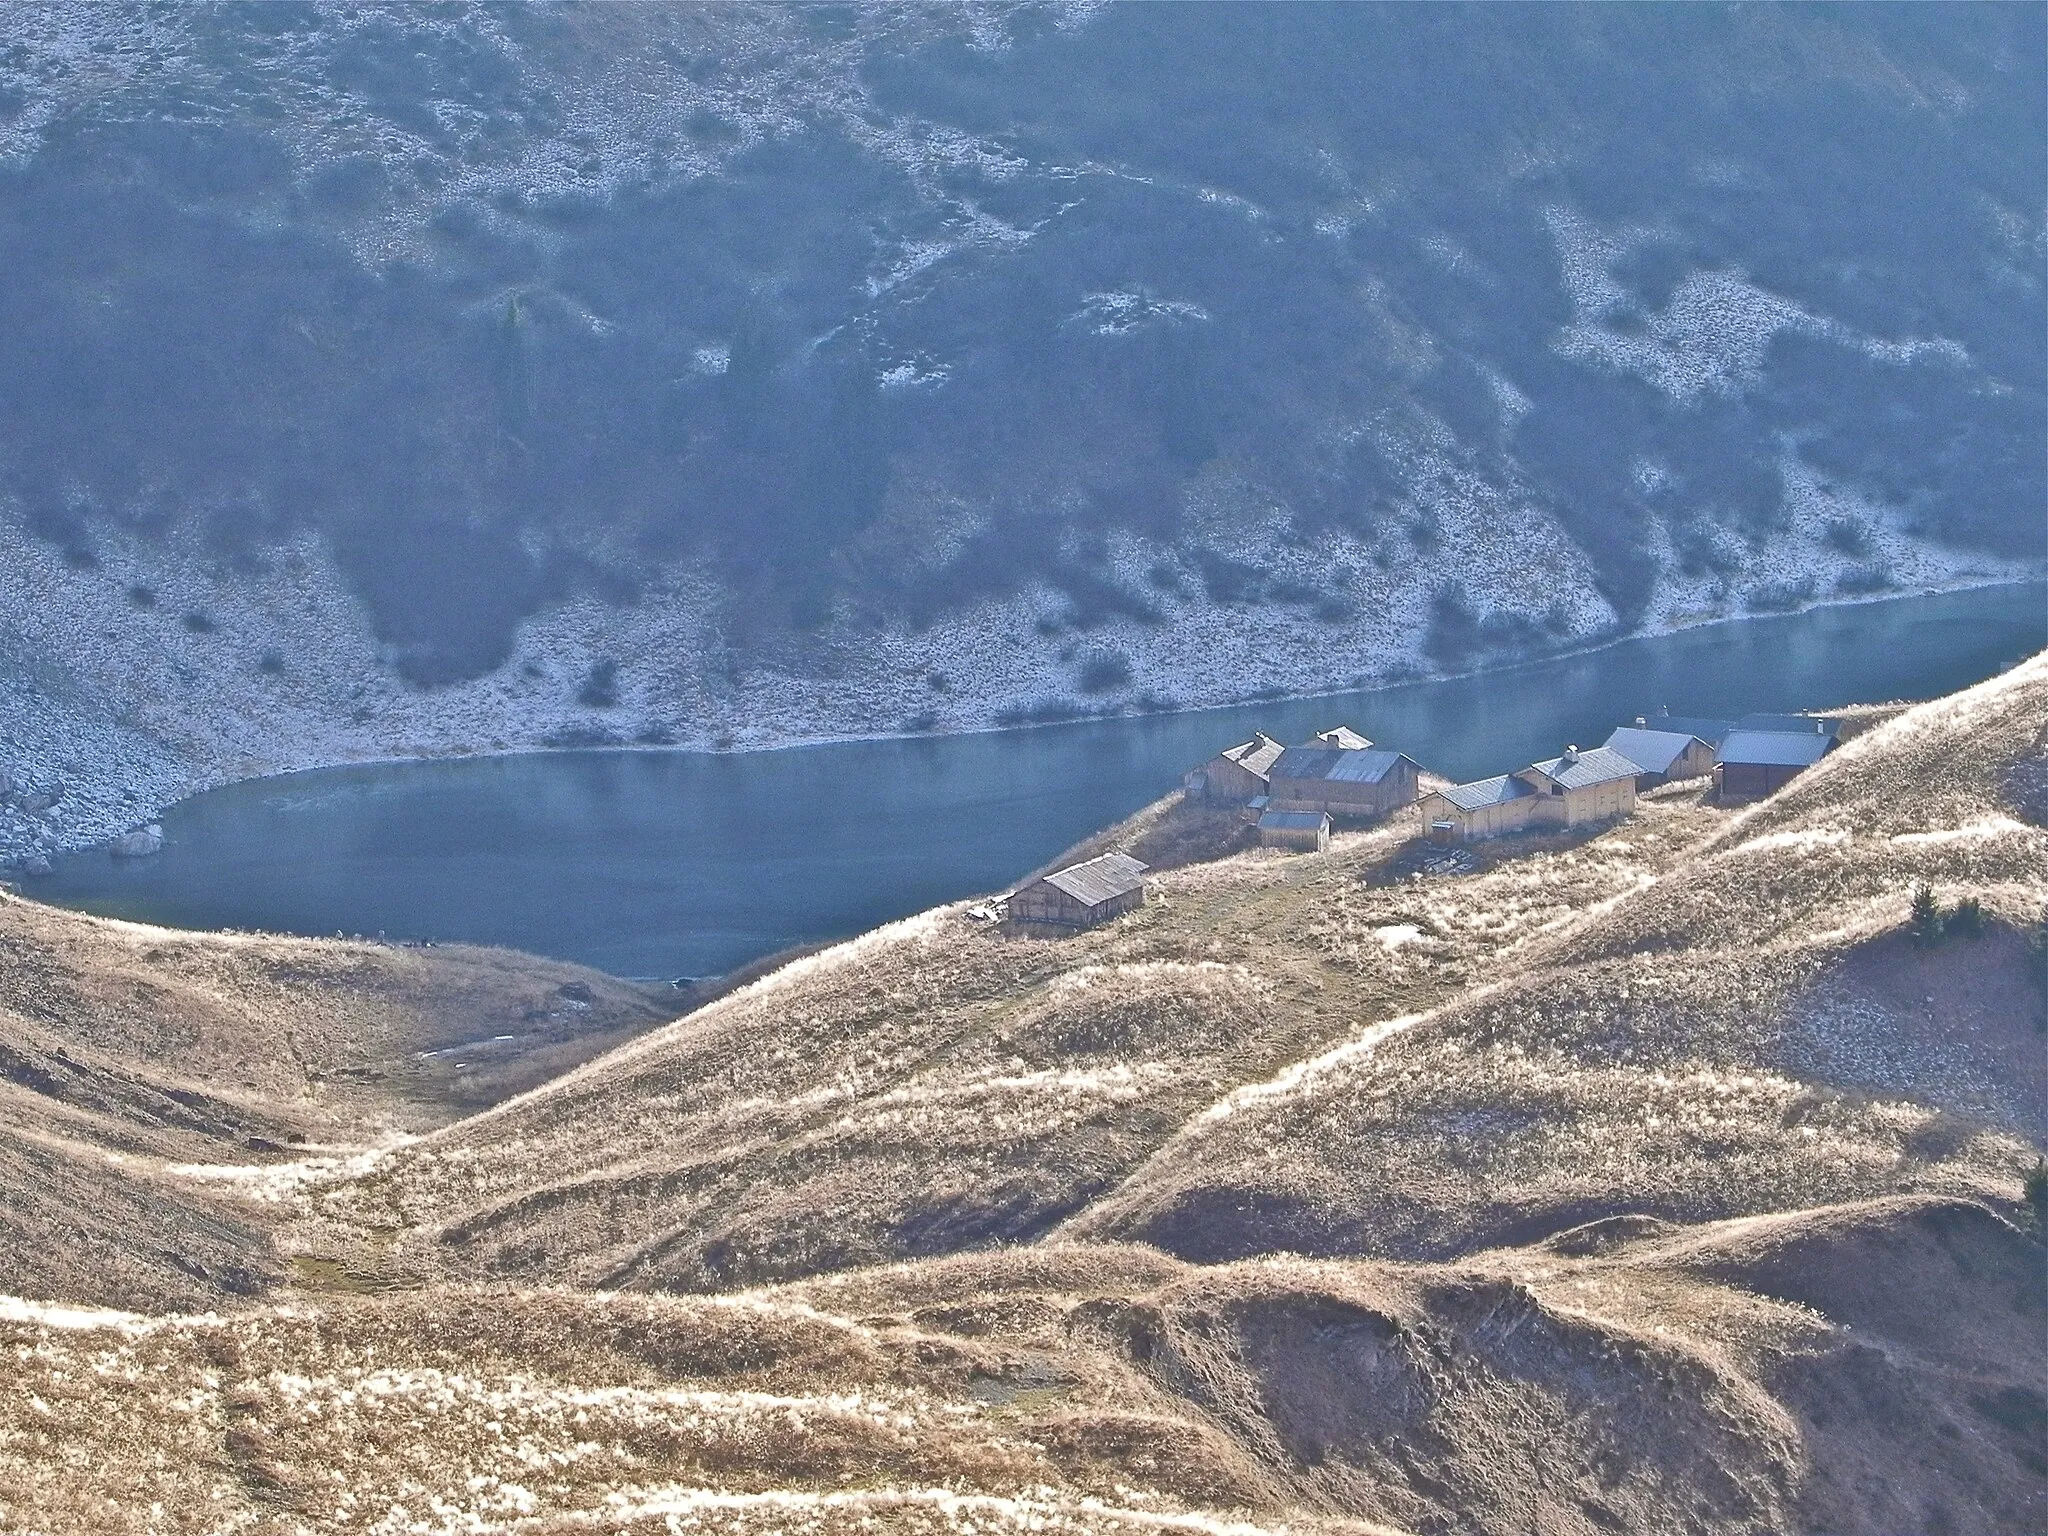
x=387 y=380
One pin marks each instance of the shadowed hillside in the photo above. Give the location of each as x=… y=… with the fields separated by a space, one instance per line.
x=402 y=379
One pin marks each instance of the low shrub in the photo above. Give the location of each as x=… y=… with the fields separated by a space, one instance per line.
x=1967 y=917
x=1925 y=921
x=600 y=688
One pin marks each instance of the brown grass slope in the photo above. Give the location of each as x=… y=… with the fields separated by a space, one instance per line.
x=932 y=1087
x=129 y=1052
x=1751 y=1031
x=1760 y=1376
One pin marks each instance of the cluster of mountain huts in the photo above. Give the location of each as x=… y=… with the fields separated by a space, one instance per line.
x=1294 y=795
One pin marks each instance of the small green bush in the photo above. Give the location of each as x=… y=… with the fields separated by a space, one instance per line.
x=1967 y=917
x=1925 y=923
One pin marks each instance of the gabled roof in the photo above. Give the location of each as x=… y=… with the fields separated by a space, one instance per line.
x=1653 y=751
x=1776 y=749
x=1709 y=731
x=1339 y=736
x=1802 y=725
x=1479 y=794
x=1339 y=765
x=1602 y=765
x=1099 y=880
x=1255 y=756
x=1293 y=821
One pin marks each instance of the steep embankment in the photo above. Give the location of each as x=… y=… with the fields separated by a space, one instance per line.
x=144 y=1070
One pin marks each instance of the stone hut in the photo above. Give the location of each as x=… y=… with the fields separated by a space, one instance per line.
x=1344 y=781
x=1079 y=896
x=1303 y=831
x=1236 y=774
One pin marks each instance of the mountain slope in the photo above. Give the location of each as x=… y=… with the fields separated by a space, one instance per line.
x=145 y=1072
x=1762 y=1375
x=1752 y=1031
x=409 y=381
x=1312 y=1055
x=1613 y=1183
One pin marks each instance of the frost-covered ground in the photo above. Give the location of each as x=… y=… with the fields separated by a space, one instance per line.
x=1496 y=401
x=110 y=711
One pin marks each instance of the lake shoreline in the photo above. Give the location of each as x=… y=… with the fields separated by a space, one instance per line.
x=664 y=861
x=804 y=743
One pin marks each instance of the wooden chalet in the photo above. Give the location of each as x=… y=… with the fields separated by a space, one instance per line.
x=1303 y=831
x=1484 y=808
x=1579 y=787
x=1664 y=756
x=1564 y=791
x=1764 y=753
x=1079 y=896
x=1236 y=774
x=1343 y=781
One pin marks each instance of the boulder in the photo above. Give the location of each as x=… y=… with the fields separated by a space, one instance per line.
x=139 y=844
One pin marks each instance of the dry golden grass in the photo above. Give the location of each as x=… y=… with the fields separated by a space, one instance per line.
x=1640 y=1179
x=932 y=1087
x=135 y=1061
x=1771 y=1374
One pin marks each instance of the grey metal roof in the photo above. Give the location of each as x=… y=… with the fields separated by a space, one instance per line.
x=1777 y=749
x=1338 y=765
x=1602 y=765
x=1479 y=794
x=1653 y=750
x=1803 y=725
x=1293 y=821
x=1709 y=731
x=1340 y=736
x=1254 y=756
x=1099 y=880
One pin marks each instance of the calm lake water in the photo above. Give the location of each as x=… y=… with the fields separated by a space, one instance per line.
x=670 y=863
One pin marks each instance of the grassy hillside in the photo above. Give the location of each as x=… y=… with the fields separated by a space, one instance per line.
x=1770 y=1374
x=1696 y=1015
x=144 y=1072
x=1655 y=1173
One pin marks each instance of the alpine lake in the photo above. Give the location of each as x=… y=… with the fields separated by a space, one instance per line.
x=660 y=864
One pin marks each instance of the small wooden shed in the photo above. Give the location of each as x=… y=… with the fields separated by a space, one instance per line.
x=1665 y=756
x=1761 y=759
x=1303 y=831
x=1483 y=808
x=1079 y=896
x=1235 y=774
